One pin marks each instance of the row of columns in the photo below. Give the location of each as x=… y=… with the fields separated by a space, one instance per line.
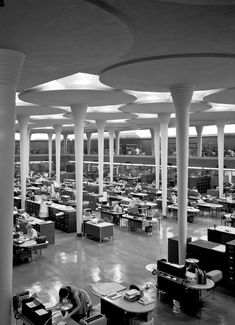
x=11 y=63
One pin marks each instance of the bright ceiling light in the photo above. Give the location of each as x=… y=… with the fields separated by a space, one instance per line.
x=216 y=107
x=48 y=117
x=104 y=109
x=75 y=81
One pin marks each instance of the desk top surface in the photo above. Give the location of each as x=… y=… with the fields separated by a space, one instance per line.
x=134 y=307
x=24 y=242
x=138 y=194
x=100 y=225
x=189 y=209
x=210 y=205
x=229 y=230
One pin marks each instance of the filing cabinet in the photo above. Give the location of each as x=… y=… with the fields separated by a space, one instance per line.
x=229 y=272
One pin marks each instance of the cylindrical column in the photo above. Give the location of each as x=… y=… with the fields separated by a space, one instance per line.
x=156 y=142
x=220 y=140
x=152 y=141
x=100 y=127
x=199 y=129
x=111 y=148
x=58 y=129
x=88 y=136
x=23 y=125
x=28 y=150
x=65 y=136
x=50 y=134
x=10 y=66
x=182 y=96
x=117 y=142
x=164 y=120
x=79 y=113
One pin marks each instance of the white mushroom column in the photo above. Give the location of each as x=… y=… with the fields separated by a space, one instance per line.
x=220 y=139
x=100 y=127
x=23 y=125
x=152 y=140
x=88 y=136
x=10 y=65
x=182 y=96
x=65 y=136
x=164 y=121
x=28 y=150
x=199 y=129
x=58 y=129
x=111 y=148
x=50 y=134
x=79 y=113
x=117 y=143
x=156 y=142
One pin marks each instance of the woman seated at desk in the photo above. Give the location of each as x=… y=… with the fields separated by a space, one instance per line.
x=31 y=232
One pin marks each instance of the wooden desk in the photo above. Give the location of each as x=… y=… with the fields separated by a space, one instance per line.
x=212 y=208
x=227 y=204
x=221 y=234
x=139 y=195
x=119 y=311
x=110 y=216
x=191 y=211
x=133 y=222
x=45 y=228
x=178 y=288
x=22 y=249
x=99 y=230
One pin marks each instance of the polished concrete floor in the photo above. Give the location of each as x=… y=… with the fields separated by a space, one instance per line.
x=84 y=262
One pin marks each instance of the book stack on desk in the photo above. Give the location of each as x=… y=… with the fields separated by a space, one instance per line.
x=132 y=295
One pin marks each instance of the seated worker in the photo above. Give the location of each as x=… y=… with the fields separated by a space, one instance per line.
x=31 y=232
x=80 y=300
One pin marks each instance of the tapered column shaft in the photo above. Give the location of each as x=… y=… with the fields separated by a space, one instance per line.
x=182 y=96
x=220 y=139
x=88 y=136
x=50 y=152
x=111 y=148
x=58 y=129
x=28 y=151
x=199 y=129
x=100 y=127
x=117 y=142
x=79 y=113
x=164 y=120
x=10 y=67
x=152 y=141
x=156 y=142
x=23 y=124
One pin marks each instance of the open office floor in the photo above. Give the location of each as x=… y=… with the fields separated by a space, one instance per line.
x=84 y=262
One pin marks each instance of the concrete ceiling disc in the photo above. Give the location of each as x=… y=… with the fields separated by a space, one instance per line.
x=143 y=122
x=51 y=122
x=228 y=117
x=202 y=2
x=200 y=122
x=204 y=71
x=155 y=108
x=37 y=110
x=97 y=116
x=68 y=97
x=226 y=96
x=62 y=37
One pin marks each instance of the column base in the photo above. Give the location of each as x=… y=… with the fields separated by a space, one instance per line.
x=79 y=234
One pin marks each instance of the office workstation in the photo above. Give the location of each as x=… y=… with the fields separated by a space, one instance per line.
x=117 y=78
